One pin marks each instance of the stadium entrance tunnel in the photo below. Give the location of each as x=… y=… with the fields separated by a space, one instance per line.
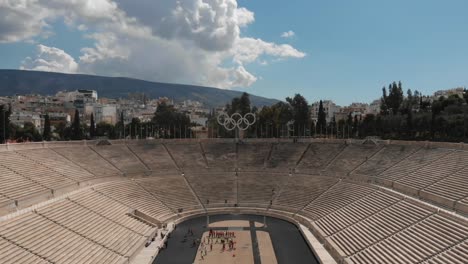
x=259 y=239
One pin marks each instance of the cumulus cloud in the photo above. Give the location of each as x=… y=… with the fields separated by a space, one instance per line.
x=288 y=34
x=21 y=20
x=187 y=41
x=50 y=59
x=248 y=50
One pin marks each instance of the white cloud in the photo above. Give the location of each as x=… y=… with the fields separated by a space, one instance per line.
x=50 y=59
x=82 y=27
x=21 y=20
x=248 y=50
x=187 y=41
x=288 y=34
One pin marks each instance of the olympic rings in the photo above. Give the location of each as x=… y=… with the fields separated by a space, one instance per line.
x=236 y=120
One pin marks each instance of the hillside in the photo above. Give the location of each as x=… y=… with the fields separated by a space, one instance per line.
x=48 y=83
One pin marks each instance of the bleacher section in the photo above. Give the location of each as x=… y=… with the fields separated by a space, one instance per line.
x=172 y=191
x=411 y=164
x=432 y=173
x=302 y=189
x=259 y=189
x=252 y=156
x=155 y=157
x=377 y=227
x=214 y=189
x=134 y=196
x=450 y=189
x=188 y=156
x=220 y=156
x=53 y=242
x=285 y=156
x=339 y=195
x=51 y=159
x=457 y=254
x=12 y=254
x=355 y=212
x=416 y=243
x=15 y=187
x=351 y=158
x=86 y=158
x=100 y=230
x=121 y=157
x=317 y=157
x=110 y=209
x=36 y=172
x=360 y=200
x=385 y=159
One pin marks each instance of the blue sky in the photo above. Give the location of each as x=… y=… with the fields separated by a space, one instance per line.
x=352 y=48
x=356 y=47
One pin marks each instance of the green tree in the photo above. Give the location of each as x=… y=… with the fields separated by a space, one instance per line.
x=171 y=124
x=465 y=95
x=321 y=120
x=4 y=123
x=409 y=124
x=368 y=127
x=395 y=97
x=77 y=132
x=383 y=102
x=301 y=113
x=272 y=120
x=239 y=105
x=92 y=127
x=104 y=129
x=135 y=127
x=120 y=126
x=47 y=130
x=63 y=131
x=28 y=132
x=393 y=101
x=355 y=126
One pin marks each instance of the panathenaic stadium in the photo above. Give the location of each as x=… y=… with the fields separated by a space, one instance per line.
x=352 y=201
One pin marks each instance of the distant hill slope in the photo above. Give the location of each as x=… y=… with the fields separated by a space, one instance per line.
x=48 y=83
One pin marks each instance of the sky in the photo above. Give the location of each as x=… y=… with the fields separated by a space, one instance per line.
x=341 y=50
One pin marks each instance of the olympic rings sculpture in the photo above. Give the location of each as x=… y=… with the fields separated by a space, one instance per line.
x=236 y=120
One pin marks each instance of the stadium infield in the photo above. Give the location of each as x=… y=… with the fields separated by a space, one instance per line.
x=279 y=242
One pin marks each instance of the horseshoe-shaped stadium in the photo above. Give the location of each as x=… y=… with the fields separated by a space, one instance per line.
x=354 y=201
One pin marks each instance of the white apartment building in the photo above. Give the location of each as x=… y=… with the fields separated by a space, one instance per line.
x=329 y=107
x=105 y=113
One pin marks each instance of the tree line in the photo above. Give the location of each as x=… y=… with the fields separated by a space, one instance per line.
x=166 y=123
x=402 y=117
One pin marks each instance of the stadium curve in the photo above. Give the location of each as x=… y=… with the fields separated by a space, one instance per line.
x=366 y=201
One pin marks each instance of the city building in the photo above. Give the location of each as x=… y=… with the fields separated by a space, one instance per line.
x=329 y=107
x=105 y=113
x=446 y=93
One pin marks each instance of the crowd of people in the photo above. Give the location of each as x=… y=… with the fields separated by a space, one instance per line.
x=225 y=239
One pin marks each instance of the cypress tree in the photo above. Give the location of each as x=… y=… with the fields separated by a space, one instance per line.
x=355 y=125
x=47 y=131
x=92 y=127
x=76 y=127
x=122 y=123
x=384 y=102
x=322 y=121
x=4 y=123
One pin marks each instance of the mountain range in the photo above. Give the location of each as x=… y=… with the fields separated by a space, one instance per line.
x=20 y=82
